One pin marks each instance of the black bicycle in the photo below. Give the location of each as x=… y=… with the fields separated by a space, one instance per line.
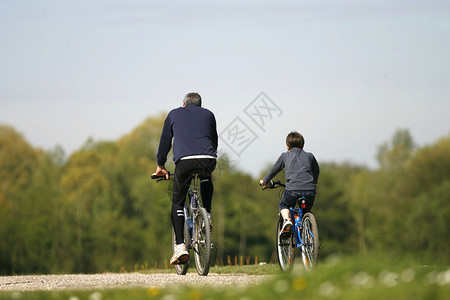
x=303 y=236
x=197 y=231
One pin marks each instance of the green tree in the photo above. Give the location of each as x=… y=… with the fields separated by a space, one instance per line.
x=18 y=162
x=392 y=155
x=244 y=216
x=410 y=190
x=83 y=185
x=334 y=209
x=390 y=207
x=360 y=194
x=41 y=212
x=427 y=186
x=144 y=200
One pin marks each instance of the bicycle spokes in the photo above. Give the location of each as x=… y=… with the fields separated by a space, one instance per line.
x=310 y=237
x=285 y=247
x=202 y=240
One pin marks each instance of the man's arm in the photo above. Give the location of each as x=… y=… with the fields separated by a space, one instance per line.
x=165 y=143
x=215 y=137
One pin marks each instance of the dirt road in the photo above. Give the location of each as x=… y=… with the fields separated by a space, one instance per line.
x=123 y=280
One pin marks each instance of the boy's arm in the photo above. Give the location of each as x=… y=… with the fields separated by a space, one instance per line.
x=315 y=169
x=276 y=168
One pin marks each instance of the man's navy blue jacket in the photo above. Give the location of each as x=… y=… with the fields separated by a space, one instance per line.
x=193 y=130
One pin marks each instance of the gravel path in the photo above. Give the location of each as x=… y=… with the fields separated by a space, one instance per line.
x=123 y=280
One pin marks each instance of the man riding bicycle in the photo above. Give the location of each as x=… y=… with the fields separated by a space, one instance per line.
x=194 y=134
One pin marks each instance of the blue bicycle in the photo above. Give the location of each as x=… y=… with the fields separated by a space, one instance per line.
x=302 y=238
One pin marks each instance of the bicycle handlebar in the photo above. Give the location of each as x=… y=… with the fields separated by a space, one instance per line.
x=159 y=178
x=163 y=177
x=274 y=185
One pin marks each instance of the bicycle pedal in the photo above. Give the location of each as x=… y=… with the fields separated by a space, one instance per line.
x=183 y=260
x=285 y=235
x=289 y=232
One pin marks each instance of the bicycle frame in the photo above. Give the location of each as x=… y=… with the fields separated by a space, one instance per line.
x=194 y=204
x=296 y=216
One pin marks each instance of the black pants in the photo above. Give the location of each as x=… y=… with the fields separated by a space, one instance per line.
x=184 y=169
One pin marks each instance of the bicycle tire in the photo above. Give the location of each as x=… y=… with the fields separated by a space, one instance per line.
x=310 y=237
x=182 y=269
x=285 y=249
x=202 y=242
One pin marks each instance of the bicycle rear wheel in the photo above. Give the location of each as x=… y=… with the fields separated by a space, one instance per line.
x=285 y=248
x=202 y=242
x=310 y=237
x=182 y=269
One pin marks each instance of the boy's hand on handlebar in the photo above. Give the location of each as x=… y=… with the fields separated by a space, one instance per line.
x=261 y=182
x=161 y=171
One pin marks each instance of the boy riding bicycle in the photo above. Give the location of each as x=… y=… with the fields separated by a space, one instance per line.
x=302 y=174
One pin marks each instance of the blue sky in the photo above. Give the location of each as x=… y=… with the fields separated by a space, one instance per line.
x=346 y=74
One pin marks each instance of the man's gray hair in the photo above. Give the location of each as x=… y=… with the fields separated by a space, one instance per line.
x=193 y=98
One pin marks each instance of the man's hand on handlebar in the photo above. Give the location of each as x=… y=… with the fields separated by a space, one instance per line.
x=161 y=171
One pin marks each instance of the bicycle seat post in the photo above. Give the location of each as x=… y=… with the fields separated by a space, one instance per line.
x=195 y=175
x=194 y=191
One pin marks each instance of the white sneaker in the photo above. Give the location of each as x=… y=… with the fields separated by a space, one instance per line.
x=180 y=255
x=287 y=225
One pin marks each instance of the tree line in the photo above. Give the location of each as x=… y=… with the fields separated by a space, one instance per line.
x=97 y=210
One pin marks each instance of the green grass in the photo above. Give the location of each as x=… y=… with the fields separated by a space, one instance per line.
x=335 y=278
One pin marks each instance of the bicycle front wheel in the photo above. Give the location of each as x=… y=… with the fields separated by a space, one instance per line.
x=310 y=237
x=202 y=242
x=285 y=248
x=182 y=269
